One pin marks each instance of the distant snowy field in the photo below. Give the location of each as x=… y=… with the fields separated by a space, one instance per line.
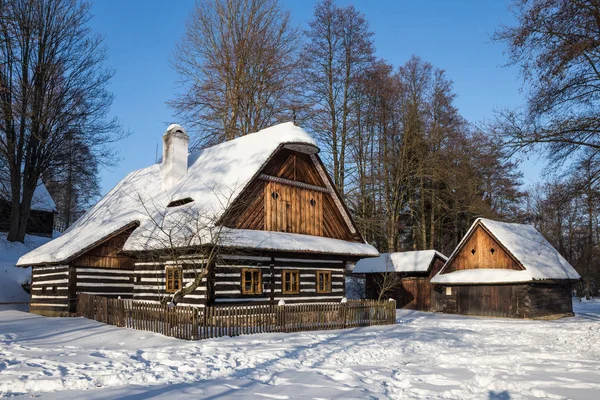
x=422 y=356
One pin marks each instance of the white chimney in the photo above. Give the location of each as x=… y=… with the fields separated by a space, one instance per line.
x=175 y=155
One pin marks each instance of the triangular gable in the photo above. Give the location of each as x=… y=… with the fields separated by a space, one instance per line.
x=292 y=193
x=480 y=249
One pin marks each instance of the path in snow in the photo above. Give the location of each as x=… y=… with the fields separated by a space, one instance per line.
x=423 y=356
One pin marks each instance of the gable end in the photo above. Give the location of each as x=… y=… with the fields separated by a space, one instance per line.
x=292 y=193
x=481 y=249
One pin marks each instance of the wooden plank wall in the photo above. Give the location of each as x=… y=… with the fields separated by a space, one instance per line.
x=50 y=289
x=249 y=212
x=416 y=292
x=483 y=300
x=515 y=301
x=105 y=255
x=546 y=300
x=227 y=279
x=290 y=210
x=482 y=243
x=150 y=280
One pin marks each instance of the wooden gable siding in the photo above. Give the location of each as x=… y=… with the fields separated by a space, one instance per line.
x=481 y=250
x=291 y=211
x=294 y=166
x=105 y=255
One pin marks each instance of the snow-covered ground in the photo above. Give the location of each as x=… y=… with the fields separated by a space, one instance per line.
x=422 y=356
x=12 y=277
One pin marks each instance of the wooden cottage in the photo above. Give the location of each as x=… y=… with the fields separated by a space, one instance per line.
x=263 y=203
x=413 y=271
x=505 y=270
x=41 y=216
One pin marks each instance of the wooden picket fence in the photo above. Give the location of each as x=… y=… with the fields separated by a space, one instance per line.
x=210 y=322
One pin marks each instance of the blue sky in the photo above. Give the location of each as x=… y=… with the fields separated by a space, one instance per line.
x=452 y=35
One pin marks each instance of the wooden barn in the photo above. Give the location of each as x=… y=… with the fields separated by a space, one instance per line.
x=41 y=216
x=413 y=271
x=505 y=270
x=263 y=203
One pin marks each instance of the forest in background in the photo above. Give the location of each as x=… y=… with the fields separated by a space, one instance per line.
x=413 y=171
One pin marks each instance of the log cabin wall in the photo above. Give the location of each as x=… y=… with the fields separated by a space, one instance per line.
x=549 y=299
x=481 y=250
x=103 y=271
x=290 y=196
x=513 y=301
x=51 y=292
x=483 y=300
x=226 y=282
x=150 y=283
x=108 y=282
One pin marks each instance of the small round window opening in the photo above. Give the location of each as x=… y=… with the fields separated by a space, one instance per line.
x=312 y=202
x=492 y=250
x=473 y=251
x=275 y=195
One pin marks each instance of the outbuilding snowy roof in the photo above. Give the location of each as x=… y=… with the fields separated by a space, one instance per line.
x=407 y=261
x=215 y=178
x=41 y=201
x=540 y=260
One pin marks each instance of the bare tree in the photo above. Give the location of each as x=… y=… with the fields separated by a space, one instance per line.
x=557 y=45
x=387 y=282
x=237 y=62
x=186 y=236
x=339 y=48
x=52 y=94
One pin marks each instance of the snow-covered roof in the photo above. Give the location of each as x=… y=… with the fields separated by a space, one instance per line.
x=268 y=240
x=41 y=201
x=533 y=252
x=215 y=178
x=407 y=261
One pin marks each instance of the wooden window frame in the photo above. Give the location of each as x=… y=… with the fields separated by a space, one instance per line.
x=171 y=280
x=283 y=281
x=259 y=286
x=327 y=282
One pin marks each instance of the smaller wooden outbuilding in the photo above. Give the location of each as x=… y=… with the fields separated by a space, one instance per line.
x=413 y=271
x=505 y=270
x=41 y=215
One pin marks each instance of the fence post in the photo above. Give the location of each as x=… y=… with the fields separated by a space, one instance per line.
x=281 y=316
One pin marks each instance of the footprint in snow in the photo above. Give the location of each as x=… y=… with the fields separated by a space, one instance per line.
x=271 y=396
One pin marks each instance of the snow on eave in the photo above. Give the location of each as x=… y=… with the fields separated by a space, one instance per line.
x=407 y=262
x=230 y=238
x=295 y=242
x=488 y=276
x=34 y=257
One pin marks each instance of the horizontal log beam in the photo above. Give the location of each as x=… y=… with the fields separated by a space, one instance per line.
x=290 y=182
